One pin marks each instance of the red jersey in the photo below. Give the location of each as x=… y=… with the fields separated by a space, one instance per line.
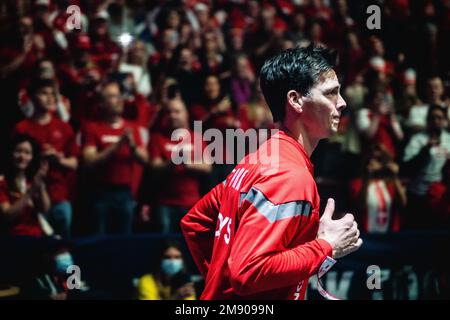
x=26 y=224
x=120 y=169
x=380 y=213
x=254 y=235
x=180 y=187
x=60 y=136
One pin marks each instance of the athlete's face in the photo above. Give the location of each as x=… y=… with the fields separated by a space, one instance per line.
x=322 y=107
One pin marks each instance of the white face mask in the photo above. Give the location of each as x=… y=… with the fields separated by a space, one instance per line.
x=171 y=266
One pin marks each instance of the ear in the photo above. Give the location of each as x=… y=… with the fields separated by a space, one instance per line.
x=295 y=101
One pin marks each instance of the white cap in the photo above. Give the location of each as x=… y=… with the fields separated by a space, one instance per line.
x=201 y=7
x=42 y=3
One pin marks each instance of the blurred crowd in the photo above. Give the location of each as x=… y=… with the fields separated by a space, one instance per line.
x=90 y=101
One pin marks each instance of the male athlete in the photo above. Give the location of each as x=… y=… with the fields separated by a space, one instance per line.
x=257 y=235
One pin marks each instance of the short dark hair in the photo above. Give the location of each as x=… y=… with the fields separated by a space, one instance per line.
x=38 y=83
x=434 y=107
x=293 y=69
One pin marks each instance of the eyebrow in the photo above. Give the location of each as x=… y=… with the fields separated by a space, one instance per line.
x=332 y=88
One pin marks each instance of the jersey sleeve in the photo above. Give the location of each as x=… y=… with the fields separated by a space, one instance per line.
x=199 y=225
x=89 y=138
x=273 y=214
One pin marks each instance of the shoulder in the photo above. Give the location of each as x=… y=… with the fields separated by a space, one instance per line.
x=157 y=137
x=3 y=183
x=287 y=184
x=419 y=137
x=147 y=280
x=64 y=126
x=22 y=125
x=91 y=126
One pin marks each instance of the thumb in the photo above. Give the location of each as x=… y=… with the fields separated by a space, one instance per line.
x=329 y=209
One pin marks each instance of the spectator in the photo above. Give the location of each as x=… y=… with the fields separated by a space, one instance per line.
x=18 y=58
x=187 y=73
x=57 y=142
x=438 y=200
x=216 y=111
x=379 y=123
x=212 y=57
x=298 y=31
x=378 y=195
x=179 y=184
x=104 y=51
x=61 y=105
x=111 y=146
x=424 y=157
x=136 y=64
x=169 y=279
x=23 y=193
x=52 y=280
x=409 y=99
x=160 y=61
x=242 y=80
x=417 y=118
x=255 y=114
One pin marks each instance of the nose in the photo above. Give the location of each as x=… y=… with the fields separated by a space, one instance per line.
x=341 y=104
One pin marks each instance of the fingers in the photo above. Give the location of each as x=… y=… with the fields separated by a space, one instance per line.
x=356 y=245
x=353 y=230
x=348 y=219
x=329 y=209
x=349 y=249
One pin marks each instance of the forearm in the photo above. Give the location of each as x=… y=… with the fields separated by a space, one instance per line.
x=11 y=212
x=100 y=157
x=199 y=226
x=373 y=128
x=397 y=130
x=140 y=155
x=42 y=201
x=420 y=160
x=401 y=192
x=69 y=163
x=199 y=167
x=277 y=270
x=12 y=66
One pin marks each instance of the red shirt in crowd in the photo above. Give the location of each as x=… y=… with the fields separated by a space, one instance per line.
x=180 y=187
x=381 y=213
x=439 y=202
x=26 y=224
x=220 y=121
x=120 y=169
x=254 y=235
x=60 y=136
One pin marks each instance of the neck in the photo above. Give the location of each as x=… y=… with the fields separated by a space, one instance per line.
x=297 y=131
x=20 y=174
x=112 y=119
x=41 y=116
